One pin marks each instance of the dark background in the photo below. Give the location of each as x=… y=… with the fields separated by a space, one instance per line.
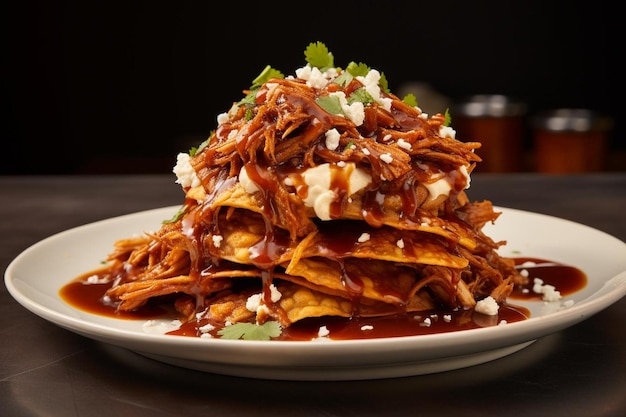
x=122 y=87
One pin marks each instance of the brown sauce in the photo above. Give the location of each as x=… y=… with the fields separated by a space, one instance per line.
x=89 y=297
x=567 y=280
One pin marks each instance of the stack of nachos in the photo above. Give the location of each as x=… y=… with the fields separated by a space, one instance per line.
x=320 y=194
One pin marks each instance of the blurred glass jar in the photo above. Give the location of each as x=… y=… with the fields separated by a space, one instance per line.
x=497 y=122
x=570 y=141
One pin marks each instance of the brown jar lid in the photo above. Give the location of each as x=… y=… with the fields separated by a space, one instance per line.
x=489 y=105
x=571 y=120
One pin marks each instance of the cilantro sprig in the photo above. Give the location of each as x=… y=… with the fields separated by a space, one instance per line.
x=410 y=100
x=317 y=55
x=194 y=150
x=330 y=103
x=267 y=74
x=447 y=118
x=177 y=216
x=251 y=331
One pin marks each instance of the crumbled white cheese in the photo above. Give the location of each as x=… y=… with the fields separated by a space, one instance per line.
x=217 y=240
x=386 y=158
x=313 y=76
x=222 y=118
x=319 y=196
x=548 y=292
x=447 y=318
x=437 y=188
x=404 y=144
x=160 y=326
x=468 y=180
x=355 y=111
x=323 y=332
x=248 y=185
x=95 y=279
x=206 y=328
x=332 y=139
x=367 y=327
x=427 y=322
x=442 y=185
x=488 y=306
x=400 y=243
x=364 y=237
x=233 y=134
x=253 y=303
x=447 y=131
x=185 y=174
x=371 y=85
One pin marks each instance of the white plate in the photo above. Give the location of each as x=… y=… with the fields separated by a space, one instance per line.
x=36 y=275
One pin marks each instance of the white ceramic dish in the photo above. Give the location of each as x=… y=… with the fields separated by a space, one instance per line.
x=36 y=275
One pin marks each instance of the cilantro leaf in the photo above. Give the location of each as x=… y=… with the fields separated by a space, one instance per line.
x=249 y=114
x=447 y=118
x=361 y=95
x=249 y=99
x=251 y=331
x=384 y=85
x=181 y=211
x=344 y=79
x=357 y=70
x=318 y=55
x=330 y=103
x=203 y=145
x=267 y=74
x=410 y=100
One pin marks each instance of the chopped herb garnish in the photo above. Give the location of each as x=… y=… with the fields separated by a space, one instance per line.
x=251 y=331
x=203 y=145
x=248 y=100
x=360 y=95
x=344 y=79
x=249 y=114
x=384 y=85
x=318 y=55
x=447 y=118
x=176 y=216
x=357 y=70
x=267 y=74
x=410 y=100
x=330 y=103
